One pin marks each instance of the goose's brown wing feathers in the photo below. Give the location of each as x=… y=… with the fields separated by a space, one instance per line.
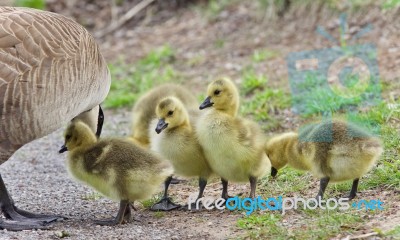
x=51 y=70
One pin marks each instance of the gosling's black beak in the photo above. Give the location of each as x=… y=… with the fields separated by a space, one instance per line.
x=63 y=149
x=207 y=103
x=161 y=125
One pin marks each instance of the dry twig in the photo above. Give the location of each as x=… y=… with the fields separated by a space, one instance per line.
x=126 y=17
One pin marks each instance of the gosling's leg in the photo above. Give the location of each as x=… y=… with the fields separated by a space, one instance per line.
x=100 y=121
x=127 y=213
x=165 y=204
x=253 y=186
x=353 y=191
x=322 y=186
x=273 y=172
x=225 y=189
x=124 y=210
x=21 y=219
x=202 y=186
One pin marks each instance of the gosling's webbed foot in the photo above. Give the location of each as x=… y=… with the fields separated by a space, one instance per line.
x=123 y=216
x=165 y=204
x=109 y=222
x=351 y=196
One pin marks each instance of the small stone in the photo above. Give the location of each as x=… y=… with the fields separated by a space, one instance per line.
x=62 y=234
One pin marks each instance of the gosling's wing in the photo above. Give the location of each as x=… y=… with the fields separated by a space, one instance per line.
x=94 y=158
x=248 y=132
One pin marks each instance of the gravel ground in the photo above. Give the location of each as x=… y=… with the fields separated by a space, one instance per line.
x=37 y=179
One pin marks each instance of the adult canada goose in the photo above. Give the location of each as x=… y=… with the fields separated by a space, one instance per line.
x=234 y=147
x=51 y=71
x=176 y=141
x=332 y=150
x=115 y=167
x=143 y=111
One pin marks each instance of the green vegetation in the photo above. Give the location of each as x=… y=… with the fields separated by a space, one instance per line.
x=262 y=226
x=263 y=55
x=260 y=101
x=159 y=214
x=390 y=4
x=150 y=202
x=38 y=4
x=395 y=233
x=92 y=196
x=129 y=82
x=214 y=7
x=252 y=81
x=316 y=224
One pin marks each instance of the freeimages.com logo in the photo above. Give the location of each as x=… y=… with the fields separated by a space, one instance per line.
x=280 y=204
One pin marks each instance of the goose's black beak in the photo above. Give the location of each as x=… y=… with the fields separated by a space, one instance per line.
x=161 y=125
x=63 y=149
x=207 y=103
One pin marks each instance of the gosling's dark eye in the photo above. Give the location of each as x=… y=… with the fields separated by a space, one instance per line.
x=170 y=113
x=217 y=92
x=68 y=137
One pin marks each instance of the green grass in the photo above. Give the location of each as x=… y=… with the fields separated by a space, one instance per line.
x=263 y=55
x=288 y=180
x=159 y=214
x=38 y=4
x=322 y=98
x=395 y=233
x=390 y=4
x=260 y=101
x=316 y=224
x=92 y=196
x=130 y=81
x=262 y=225
x=213 y=8
x=151 y=201
x=321 y=224
x=252 y=81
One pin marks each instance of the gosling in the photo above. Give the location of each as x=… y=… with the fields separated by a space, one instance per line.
x=176 y=141
x=115 y=167
x=144 y=109
x=233 y=146
x=332 y=150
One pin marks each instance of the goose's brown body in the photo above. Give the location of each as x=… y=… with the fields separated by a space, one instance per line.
x=51 y=70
